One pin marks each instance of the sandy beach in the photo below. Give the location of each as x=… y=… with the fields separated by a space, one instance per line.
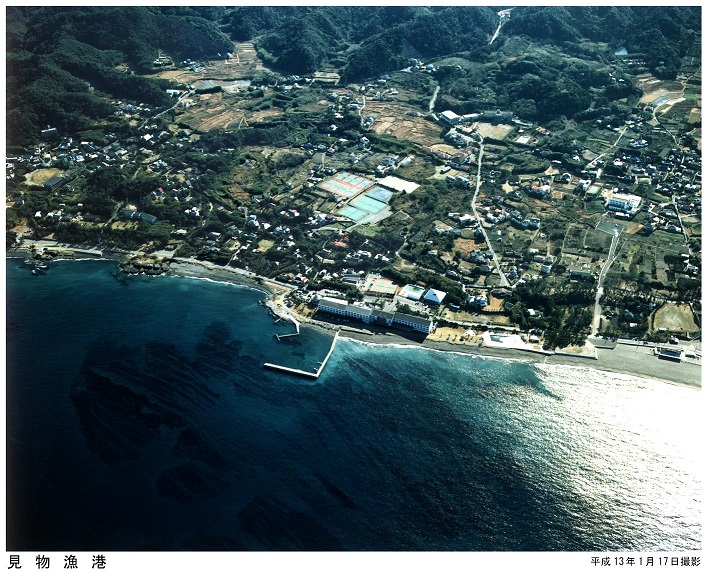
x=635 y=360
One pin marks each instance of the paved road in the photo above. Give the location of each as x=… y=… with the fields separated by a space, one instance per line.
x=432 y=103
x=503 y=279
x=599 y=293
x=620 y=136
x=181 y=97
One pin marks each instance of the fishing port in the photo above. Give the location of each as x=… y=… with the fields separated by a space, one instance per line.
x=301 y=372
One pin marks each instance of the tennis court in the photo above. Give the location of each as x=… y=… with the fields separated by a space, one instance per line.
x=380 y=194
x=361 y=207
x=353 y=213
x=346 y=184
x=378 y=285
x=368 y=204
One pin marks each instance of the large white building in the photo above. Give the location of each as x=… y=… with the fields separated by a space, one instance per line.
x=621 y=202
x=373 y=316
x=434 y=296
x=451 y=117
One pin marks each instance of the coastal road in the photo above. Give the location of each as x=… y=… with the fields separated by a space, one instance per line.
x=503 y=279
x=40 y=244
x=601 y=277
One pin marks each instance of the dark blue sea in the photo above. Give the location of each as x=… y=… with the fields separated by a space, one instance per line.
x=140 y=417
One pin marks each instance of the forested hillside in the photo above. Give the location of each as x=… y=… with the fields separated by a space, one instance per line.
x=63 y=61
x=60 y=60
x=363 y=41
x=663 y=34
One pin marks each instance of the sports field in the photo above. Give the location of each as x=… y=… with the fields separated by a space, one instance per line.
x=378 y=285
x=412 y=292
x=353 y=213
x=368 y=204
x=361 y=207
x=380 y=194
x=675 y=318
x=346 y=184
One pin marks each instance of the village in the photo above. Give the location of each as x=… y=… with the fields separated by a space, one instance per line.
x=380 y=209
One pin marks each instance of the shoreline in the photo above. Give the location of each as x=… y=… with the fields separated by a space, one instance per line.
x=185 y=267
x=625 y=360
x=610 y=364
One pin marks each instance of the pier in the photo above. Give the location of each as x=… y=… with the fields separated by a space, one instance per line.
x=302 y=372
x=296 y=323
x=279 y=337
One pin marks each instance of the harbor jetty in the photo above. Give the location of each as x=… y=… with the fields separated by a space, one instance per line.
x=301 y=372
x=296 y=323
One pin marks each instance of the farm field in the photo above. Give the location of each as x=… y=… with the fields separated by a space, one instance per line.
x=390 y=118
x=222 y=111
x=243 y=62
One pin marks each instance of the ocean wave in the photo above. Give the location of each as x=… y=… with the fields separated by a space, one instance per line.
x=563 y=372
x=54 y=260
x=396 y=345
x=214 y=281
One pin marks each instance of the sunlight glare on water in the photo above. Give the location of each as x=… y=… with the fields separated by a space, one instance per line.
x=622 y=433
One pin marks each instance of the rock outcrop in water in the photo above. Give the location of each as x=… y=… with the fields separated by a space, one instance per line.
x=149 y=266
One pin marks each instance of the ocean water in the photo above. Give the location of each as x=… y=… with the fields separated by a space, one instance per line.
x=140 y=417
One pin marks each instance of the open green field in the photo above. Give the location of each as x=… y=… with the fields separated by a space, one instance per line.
x=597 y=240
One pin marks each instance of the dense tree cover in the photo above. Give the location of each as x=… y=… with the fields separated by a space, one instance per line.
x=302 y=39
x=136 y=32
x=540 y=85
x=663 y=34
x=356 y=23
x=60 y=60
x=450 y=30
x=245 y=22
x=375 y=57
x=381 y=35
x=105 y=189
x=40 y=93
x=132 y=238
x=303 y=45
x=437 y=33
x=57 y=56
x=565 y=316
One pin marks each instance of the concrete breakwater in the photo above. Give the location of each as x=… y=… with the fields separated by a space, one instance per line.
x=301 y=372
x=281 y=314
